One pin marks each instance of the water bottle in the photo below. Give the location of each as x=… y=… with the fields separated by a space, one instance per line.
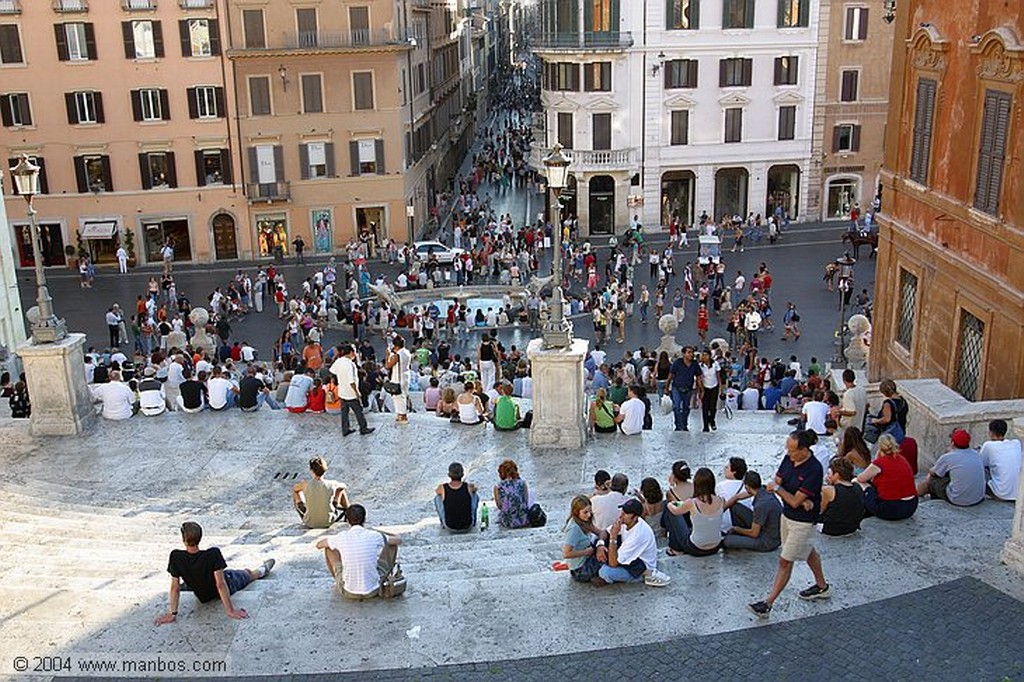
x=484 y=518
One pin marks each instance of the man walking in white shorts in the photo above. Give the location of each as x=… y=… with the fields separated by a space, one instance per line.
x=798 y=484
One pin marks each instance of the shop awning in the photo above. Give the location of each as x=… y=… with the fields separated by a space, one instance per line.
x=103 y=230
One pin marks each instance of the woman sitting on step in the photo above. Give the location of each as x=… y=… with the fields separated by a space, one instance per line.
x=511 y=497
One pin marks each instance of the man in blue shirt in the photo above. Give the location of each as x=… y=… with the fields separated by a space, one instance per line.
x=798 y=484
x=600 y=379
x=682 y=377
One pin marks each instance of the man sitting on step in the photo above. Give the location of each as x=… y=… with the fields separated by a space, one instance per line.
x=206 y=574
x=359 y=558
x=320 y=502
x=456 y=501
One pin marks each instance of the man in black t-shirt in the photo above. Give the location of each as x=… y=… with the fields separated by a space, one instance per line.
x=206 y=574
x=252 y=393
x=192 y=393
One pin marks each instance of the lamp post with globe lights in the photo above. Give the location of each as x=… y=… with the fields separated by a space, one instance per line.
x=558 y=330
x=47 y=328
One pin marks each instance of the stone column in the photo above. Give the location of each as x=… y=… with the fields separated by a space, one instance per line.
x=559 y=398
x=61 y=404
x=1013 y=551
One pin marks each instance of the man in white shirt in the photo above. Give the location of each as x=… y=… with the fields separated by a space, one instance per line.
x=598 y=356
x=359 y=558
x=297 y=398
x=1001 y=459
x=855 y=402
x=221 y=392
x=752 y=323
x=628 y=550
x=606 y=506
x=708 y=385
x=815 y=413
x=151 y=394
x=750 y=399
x=344 y=368
x=248 y=352
x=175 y=377
x=118 y=400
x=631 y=415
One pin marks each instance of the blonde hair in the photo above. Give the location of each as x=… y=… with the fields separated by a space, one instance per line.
x=887 y=445
x=579 y=503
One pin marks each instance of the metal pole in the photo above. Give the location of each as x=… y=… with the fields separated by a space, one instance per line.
x=556 y=335
x=47 y=328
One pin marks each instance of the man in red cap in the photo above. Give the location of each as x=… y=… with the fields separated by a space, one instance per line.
x=958 y=477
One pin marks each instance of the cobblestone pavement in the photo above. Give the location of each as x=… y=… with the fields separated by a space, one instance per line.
x=893 y=639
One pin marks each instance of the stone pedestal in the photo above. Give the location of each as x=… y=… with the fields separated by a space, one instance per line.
x=1013 y=550
x=559 y=398
x=61 y=404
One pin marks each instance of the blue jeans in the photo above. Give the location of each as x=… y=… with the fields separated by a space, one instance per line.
x=681 y=407
x=262 y=398
x=474 y=502
x=620 y=574
x=236 y=579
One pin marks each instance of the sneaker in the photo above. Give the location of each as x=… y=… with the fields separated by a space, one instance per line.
x=814 y=592
x=267 y=567
x=656 y=578
x=761 y=609
x=367 y=431
x=348 y=432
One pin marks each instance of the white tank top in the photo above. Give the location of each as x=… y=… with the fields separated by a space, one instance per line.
x=468 y=413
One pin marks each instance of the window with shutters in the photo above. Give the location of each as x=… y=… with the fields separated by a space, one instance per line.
x=995 y=130
x=208 y=101
x=563 y=76
x=252 y=24
x=597 y=77
x=313 y=156
x=566 y=135
x=199 y=35
x=738 y=14
x=10 y=45
x=420 y=84
x=367 y=156
x=362 y=90
x=44 y=187
x=157 y=169
x=259 y=96
x=849 y=84
x=924 y=114
x=86 y=110
x=305 y=20
x=151 y=106
x=359 y=24
x=794 y=13
x=213 y=167
x=75 y=42
x=682 y=15
x=734 y=124
x=143 y=39
x=93 y=173
x=601 y=131
x=846 y=138
x=735 y=72
x=971 y=351
x=856 y=27
x=787 y=70
x=787 y=122
x=680 y=127
x=680 y=74
x=312 y=93
x=907 y=309
x=16 y=112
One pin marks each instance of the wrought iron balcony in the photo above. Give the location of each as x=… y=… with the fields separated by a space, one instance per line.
x=70 y=5
x=138 y=5
x=587 y=160
x=195 y=4
x=268 y=191
x=584 y=40
x=355 y=39
x=10 y=7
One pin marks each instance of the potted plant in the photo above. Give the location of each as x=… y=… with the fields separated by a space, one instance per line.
x=129 y=246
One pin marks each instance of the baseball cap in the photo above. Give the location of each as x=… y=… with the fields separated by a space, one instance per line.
x=632 y=506
x=960 y=438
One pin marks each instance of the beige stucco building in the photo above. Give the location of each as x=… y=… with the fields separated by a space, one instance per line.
x=850 y=106
x=230 y=127
x=123 y=105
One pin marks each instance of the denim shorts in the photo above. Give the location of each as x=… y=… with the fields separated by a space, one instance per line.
x=236 y=579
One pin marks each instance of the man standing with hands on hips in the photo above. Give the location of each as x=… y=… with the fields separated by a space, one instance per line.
x=798 y=484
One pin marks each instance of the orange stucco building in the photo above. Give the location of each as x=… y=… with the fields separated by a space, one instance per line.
x=950 y=281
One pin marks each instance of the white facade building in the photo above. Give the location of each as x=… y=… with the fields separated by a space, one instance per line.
x=12 y=320
x=678 y=106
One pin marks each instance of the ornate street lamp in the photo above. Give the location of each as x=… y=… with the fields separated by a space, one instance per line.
x=46 y=328
x=845 y=288
x=558 y=330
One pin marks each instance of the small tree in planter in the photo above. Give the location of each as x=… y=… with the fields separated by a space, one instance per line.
x=81 y=250
x=129 y=246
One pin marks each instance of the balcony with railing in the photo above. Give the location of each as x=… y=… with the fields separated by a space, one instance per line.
x=138 y=5
x=70 y=5
x=607 y=41
x=195 y=4
x=587 y=160
x=10 y=6
x=268 y=191
x=312 y=41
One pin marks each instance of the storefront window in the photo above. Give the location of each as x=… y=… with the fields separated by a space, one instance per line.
x=51 y=244
x=677 y=197
x=842 y=195
x=272 y=234
x=174 y=232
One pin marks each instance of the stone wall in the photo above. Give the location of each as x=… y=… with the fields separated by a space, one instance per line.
x=936 y=409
